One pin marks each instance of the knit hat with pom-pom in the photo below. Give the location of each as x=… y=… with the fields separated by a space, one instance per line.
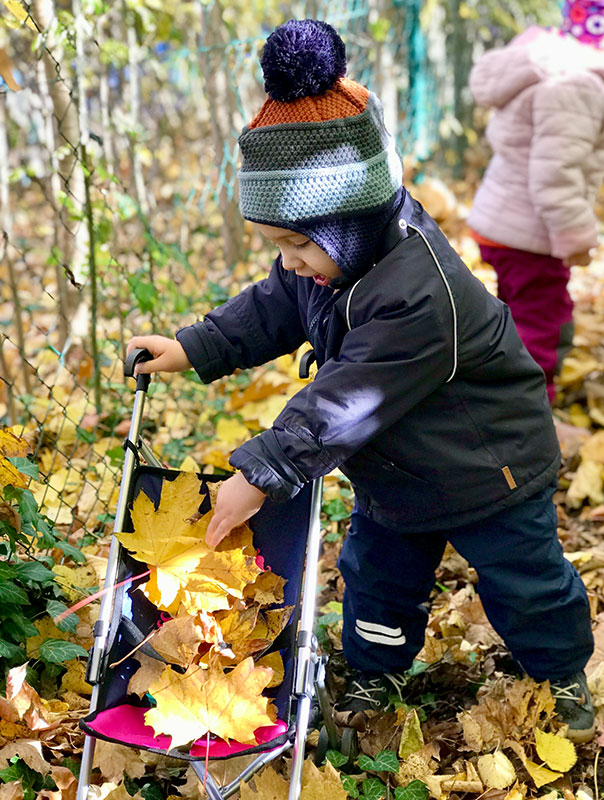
x=317 y=158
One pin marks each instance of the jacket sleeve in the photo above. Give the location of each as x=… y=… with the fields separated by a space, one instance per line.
x=567 y=119
x=386 y=365
x=257 y=325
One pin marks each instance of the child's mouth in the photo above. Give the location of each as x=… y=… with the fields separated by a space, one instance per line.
x=321 y=280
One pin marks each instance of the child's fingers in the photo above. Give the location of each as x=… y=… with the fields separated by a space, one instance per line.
x=143 y=342
x=147 y=367
x=217 y=530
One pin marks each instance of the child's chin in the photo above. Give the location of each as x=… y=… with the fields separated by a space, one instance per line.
x=321 y=280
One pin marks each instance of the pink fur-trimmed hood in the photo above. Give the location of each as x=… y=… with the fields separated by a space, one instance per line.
x=547 y=137
x=533 y=56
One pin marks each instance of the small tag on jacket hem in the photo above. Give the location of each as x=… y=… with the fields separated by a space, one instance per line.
x=509 y=477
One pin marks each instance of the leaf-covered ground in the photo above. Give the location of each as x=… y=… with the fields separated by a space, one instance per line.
x=467 y=722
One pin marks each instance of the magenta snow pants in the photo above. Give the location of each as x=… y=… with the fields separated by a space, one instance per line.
x=534 y=286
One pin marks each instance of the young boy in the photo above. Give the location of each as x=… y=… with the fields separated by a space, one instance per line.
x=425 y=396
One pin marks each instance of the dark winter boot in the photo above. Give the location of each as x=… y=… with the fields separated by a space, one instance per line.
x=365 y=693
x=574 y=706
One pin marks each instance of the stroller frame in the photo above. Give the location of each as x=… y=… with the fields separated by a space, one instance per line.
x=309 y=667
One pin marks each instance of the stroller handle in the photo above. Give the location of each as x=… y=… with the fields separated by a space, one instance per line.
x=133 y=358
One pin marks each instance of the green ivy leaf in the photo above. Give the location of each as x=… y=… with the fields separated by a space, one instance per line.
x=70 y=623
x=417 y=668
x=28 y=508
x=57 y=651
x=17 y=626
x=34 y=571
x=11 y=593
x=385 y=761
x=71 y=551
x=336 y=758
x=336 y=510
x=25 y=466
x=416 y=790
x=10 y=651
x=7 y=571
x=373 y=789
x=151 y=791
x=350 y=785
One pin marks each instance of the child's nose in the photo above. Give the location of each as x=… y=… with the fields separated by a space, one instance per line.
x=291 y=261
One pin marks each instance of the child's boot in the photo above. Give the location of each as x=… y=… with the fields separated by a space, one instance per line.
x=366 y=692
x=574 y=706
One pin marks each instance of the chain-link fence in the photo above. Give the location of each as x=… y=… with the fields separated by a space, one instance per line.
x=118 y=199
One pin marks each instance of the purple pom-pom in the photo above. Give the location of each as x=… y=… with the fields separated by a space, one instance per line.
x=302 y=58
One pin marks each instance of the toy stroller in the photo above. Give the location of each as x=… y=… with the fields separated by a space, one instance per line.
x=126 y=617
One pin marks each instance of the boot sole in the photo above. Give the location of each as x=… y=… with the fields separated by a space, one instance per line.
x=581 y=736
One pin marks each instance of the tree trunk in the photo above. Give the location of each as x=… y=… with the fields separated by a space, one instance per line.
x=225 y=122
x=72 y=233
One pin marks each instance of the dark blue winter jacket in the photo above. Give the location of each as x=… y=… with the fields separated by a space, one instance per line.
x=425 y=397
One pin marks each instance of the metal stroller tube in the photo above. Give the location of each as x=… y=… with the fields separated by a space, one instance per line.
x=101 y=626
x=307 y=643
x=306 y=668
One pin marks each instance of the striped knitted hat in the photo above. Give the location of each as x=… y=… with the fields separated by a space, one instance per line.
x=317 y=157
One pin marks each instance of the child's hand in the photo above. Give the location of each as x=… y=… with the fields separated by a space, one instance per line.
x=582 y=259
x=236 y=501
x=168 y=354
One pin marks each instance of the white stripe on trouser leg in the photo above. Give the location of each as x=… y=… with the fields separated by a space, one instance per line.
x=379 y=634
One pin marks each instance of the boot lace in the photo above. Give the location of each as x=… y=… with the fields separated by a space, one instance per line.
x=371 y=691
x=567 y=693
x=398 y=683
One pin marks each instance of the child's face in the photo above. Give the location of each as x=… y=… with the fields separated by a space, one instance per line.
x=301 y=254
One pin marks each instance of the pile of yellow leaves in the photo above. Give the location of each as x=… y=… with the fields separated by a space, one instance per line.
x=218 y=622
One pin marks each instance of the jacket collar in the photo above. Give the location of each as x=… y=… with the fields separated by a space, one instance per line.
x=398 y=227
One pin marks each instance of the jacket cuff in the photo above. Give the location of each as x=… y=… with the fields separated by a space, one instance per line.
x=265 y=466
x=571 y=241
x=201 y=352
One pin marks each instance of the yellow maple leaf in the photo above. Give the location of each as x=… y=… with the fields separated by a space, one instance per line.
x=275 y=662
x=558 y=752
x=317 y=784
x=11 y=445
x=267 y=589
x=178 y=640
x=230 y=433
x=540 y=774
x=269 y=786
x=200 y=701
x=171 y=541
x=251 y=631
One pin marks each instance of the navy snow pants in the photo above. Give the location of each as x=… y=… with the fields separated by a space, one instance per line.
x=533 y=597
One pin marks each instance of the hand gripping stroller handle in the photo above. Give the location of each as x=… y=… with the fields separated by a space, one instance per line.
x=133 y=358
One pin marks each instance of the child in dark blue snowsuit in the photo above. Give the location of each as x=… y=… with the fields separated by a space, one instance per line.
x=425 y=397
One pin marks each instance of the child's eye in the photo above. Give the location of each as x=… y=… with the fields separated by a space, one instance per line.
x=299 y=246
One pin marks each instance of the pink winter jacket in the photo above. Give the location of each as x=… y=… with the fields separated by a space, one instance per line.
x=547 y=136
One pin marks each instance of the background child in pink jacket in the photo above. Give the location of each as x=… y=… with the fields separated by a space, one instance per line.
x=533 y=214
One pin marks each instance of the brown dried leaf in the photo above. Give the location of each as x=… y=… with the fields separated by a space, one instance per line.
x=149 y=671
x=178 y=640
x=114 y=760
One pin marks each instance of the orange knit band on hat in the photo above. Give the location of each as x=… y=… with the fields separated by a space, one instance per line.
x=347 y=98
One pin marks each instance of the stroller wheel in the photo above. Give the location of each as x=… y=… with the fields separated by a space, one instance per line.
x=349 y=745
x=322 y=746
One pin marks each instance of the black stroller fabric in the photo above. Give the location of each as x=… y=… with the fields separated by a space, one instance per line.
x=280 y=533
